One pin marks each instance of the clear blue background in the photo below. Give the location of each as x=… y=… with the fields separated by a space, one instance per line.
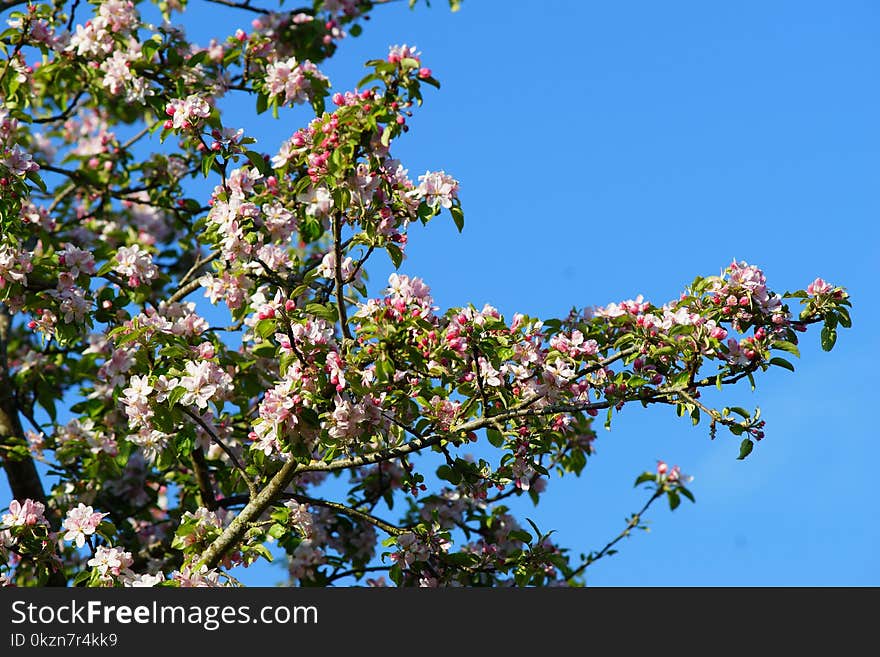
x=611 y=149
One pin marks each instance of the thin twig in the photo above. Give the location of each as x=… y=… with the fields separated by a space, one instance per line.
x=65 y=114
x=631 y=524
x=246 y=5
x=357 y=571
x=232 y=457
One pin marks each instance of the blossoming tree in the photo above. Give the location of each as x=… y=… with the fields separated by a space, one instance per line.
x=179 y=440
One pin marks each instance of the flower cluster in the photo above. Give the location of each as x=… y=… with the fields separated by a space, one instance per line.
x=80 y=523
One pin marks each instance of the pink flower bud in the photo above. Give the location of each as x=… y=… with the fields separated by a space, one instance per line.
x=424 y=73
x=818 y=286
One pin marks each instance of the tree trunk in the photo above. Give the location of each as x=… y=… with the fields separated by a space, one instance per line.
x=21 y=472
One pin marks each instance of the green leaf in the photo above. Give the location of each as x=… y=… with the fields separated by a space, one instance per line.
x=684 y=491
x=309 y=416
x=386 y=136
x=266 y=327
x=844 y=318
x=829 y=337
x=645 y=476
x=495 y=437
x=674 y=499
x=207 y=163
x=34 y=177
x=448 y=474
x=457 y=217
x=786 y=346
x=745 y=448
x=368 y=78
x=259 y=163
x=781 y=362
x=175 y=395
x=395 y=254
x=327 y=312
x=521 y=535
x=262 y=103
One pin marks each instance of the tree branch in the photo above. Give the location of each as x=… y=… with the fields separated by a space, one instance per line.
x=386 y=527
x=246 y=5
x=358 y=571
x=253 y=510
x=631 y=524
x=203 y=479
x=64 y=114
x=226 y=450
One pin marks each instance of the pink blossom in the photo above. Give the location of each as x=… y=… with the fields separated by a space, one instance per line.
x=110 y=561
x=117 y=72
x=189 y=112
x=144 y=580
x=18 y=162
x=189 y=576
x=81 y=522
x=25 y=514
x=437 y=189
x=293 y=79
x=818 y=287
x=397 y=53
x=279 y=221
x=75 y=260
x=327 y=268
x=120 y=15
x=136 y=264
x=204 y=381
x=15 y=264
x=318 y=200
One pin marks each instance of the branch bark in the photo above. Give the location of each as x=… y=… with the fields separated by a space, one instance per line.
x=254 y=509
x=21 y=472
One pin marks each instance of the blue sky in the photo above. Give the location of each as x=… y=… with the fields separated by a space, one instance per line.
x=611 y=149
